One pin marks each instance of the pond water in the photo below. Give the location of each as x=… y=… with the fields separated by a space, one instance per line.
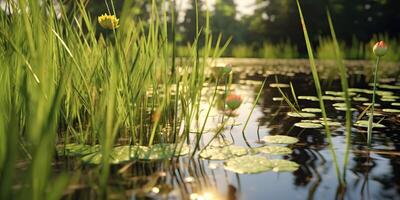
x=373 y=174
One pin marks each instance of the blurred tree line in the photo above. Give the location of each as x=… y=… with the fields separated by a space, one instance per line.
x=277 y=21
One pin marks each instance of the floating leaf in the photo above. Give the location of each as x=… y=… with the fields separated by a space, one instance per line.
x=125 y=153
x=359 y=90
x=279 y=85
x=329 y=98
x=390 y=97
x=280 y=139
x=339 y=105
x=277 y=99
x=390 y=87
x=284 y=165
x=341 y=94
x=309 y=98
x=395 y=104
x=344 y=109
x=388 y=100
x=361 y=99
x=388 y=110
x=274 y=150
x=248 y=164
x=301 y=114
x=223 y=153
x=330 y=123
x=308 y=125
x=368 y=104
x=384 y=93
x=311 y=110
x=364 y=124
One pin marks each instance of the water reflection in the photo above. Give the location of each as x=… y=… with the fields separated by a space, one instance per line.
x=371 y=174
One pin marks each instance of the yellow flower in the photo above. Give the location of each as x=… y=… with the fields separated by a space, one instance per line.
x=108 y=21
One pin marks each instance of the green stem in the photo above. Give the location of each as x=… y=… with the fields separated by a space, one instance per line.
x=205 y=120
x=371 y=116
x=254 y=104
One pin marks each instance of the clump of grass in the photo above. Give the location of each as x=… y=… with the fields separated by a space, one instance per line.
x=242 y=51
x=280 y=50
x=64 y=82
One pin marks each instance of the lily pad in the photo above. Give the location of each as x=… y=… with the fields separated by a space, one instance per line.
x=396 y=104
x=388 y=100
x=330 y=123
x=311 y=110
x=301 y=114
x=277 y=99
x=339 y=105
x=360 y=99
x=388 y=110
x=390 y=87
x=309 y=98
x=125 y=153
x=368 y=104
x=390 y=97
x=284 y=165
x=223 y=153
x=329 y=98
x=308 y=125
x=274 y=150
x=345 y=109
x=248 y=164
x=279 y=85
x=280 y=139
x=364 y=124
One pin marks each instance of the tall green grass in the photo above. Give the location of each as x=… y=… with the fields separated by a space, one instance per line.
x=319 y=93
x=345 y=85
x=65 y=82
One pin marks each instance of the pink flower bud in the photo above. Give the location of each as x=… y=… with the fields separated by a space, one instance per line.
x=233 y=101
x=380 y=49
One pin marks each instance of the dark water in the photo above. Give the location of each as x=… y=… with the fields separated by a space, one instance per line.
x=371 y=174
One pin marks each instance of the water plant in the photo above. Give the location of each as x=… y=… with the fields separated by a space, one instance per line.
x=71 y=88
x=379 y=50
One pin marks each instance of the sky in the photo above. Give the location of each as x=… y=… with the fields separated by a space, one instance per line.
x=244 y=7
